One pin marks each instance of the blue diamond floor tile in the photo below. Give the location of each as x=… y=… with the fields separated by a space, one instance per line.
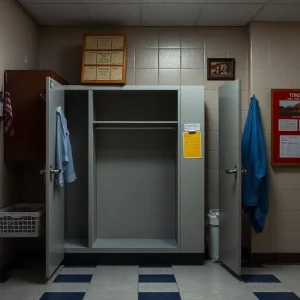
x=73 y=278
x=265 y=278
x=276 y=296
x=157 y=278
x=159 y=296
x=63 y=296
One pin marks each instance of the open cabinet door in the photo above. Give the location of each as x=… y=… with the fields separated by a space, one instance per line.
x=230 y=201
x=55 y=96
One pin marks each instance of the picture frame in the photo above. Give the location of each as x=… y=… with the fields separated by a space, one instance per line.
x=221 y=69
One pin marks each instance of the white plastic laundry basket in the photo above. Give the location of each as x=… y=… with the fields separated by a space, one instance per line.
x=22 y=220
x=213 y=234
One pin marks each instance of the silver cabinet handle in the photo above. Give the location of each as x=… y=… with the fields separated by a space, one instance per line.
x=55 y=172
x=234 y=171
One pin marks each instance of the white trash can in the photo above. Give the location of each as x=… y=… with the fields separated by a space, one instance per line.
x=212 y=224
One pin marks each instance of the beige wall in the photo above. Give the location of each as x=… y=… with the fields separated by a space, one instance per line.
x=18 y=37
x=166 y=56
x=275 y=63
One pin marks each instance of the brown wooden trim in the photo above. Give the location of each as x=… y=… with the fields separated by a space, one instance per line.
x=123 y=81
x=275 y=258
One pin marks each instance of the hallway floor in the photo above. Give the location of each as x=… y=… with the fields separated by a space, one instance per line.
x=208 y=282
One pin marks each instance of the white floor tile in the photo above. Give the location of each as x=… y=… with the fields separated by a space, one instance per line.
x=21 y=293
x=107 y=275
x=112 y=292
x=152 y=287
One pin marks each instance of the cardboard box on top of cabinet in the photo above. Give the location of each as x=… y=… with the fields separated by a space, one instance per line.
x=104 y=59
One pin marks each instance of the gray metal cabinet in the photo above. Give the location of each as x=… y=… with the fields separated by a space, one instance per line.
x=135 y=192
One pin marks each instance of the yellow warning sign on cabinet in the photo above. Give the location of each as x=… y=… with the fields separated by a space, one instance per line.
x=192 y=145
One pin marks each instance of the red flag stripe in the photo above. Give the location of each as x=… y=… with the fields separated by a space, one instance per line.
x=8 y=114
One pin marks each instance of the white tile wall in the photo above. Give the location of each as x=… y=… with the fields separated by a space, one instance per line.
x=275 y=63
x=165 y=56
x=18 y=37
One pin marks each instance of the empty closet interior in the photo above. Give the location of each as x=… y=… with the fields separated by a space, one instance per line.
x=134 y=145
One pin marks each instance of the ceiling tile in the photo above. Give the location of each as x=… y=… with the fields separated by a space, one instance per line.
x=111 y=1
x=228 y=14
x=279 y=13
x=115 y=15
x=236 y=1
x=80 y=1
x=170 y=15
x=58 y=14
x=171 y=1
x=52 y=1
x=284 y=2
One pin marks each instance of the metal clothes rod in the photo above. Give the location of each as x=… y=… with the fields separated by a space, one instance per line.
x=135 y=128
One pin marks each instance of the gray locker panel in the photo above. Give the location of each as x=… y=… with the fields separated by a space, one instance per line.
x=192 y=175
x=136 y=184
x=92 y=174
x=76 y=204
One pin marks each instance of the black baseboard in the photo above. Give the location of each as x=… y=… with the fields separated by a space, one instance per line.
x=133 y=259
x=275 y=258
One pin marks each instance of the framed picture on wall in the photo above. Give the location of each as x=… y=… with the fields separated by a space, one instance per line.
x=220 y=69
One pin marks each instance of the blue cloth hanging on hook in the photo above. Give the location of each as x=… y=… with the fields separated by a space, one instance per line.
x=64 y=157
x=255 y=185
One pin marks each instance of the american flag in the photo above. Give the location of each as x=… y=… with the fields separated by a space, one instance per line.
x=7 y=111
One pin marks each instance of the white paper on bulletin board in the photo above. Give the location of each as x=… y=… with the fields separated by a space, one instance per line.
x=90 y=73
x=192 y=127
x=91 y=42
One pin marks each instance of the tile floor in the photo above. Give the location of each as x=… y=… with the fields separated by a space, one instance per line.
x=208 y=282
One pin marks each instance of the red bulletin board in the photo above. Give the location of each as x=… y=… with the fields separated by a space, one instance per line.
x=285 y=127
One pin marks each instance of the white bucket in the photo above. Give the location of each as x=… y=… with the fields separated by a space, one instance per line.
x=213 y=234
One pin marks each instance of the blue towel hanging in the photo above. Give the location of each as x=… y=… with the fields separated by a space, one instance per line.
x=255 y=186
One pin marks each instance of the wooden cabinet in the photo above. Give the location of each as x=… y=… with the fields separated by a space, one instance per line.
x=28 y=142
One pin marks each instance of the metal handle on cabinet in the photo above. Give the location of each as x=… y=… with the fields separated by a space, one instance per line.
x=234 y=171
x=55 y=172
